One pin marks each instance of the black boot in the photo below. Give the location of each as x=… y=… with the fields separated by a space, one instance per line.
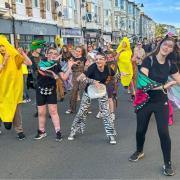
x=8 y=125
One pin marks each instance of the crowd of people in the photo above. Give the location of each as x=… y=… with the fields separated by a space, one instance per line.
x=149 y=72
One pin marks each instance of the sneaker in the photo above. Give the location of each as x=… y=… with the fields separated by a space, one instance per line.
x=58 y=136
x=112 y=140
x=168 y=170
x=28 y=100
x=71 y=136
x=21 y=136
x=132 y=97
x=99 y=115
x=113 y=116
x=24 y=101
x=40 y=135
x=89 y=112
x=136 y=156
x=68 y=111
x=0 y=132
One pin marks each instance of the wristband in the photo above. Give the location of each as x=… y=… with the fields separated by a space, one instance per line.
x=163 y=90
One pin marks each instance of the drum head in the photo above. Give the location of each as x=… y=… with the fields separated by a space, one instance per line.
x=95 y=93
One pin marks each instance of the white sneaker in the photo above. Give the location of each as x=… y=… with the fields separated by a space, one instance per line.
x=71 y=136
x=99 y=115
x=0 y=132
x=68 y=111
x=112 y=140
x=113 y=116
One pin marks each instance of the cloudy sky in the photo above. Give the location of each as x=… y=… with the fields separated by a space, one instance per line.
x=163 y=11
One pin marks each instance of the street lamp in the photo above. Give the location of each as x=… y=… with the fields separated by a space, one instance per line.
x=141 y=6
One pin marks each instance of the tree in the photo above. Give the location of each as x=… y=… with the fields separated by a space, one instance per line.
x=160 y=30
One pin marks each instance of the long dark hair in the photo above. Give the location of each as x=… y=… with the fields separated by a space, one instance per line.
x=82 y=49
x=66 y=55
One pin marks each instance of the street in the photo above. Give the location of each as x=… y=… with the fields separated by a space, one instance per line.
x=89 y=156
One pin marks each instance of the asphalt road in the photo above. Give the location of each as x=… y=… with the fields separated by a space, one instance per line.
x=89 y=156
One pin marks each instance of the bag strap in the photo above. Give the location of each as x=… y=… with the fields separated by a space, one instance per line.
x=169 y=62
x=151 y=58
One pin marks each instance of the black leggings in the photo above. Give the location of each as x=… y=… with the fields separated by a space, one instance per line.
x=161 y=112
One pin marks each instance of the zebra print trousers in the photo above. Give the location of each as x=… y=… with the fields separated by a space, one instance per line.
x=79 y=122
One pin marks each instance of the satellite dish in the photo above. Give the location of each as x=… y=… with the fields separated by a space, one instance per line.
x=59 y=14
x=57 y=4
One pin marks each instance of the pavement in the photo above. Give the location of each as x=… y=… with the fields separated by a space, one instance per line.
x=89 y=156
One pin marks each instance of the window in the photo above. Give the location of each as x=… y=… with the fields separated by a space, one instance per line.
x=116 y=3
x=19 y=1
x=36 y=3
x=67 y=12
x=122 y=4
x=88 y=17
x=106 y=12
x=48 y=5
x=116 y=21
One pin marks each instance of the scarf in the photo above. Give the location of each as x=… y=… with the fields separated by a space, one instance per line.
x=144 y=84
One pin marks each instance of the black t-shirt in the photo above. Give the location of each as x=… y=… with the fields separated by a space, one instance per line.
x=147 y=48
x=48 y=80
x=93 y=73
x=159 y=73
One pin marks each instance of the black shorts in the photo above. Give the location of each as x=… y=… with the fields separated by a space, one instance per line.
x=46 y=99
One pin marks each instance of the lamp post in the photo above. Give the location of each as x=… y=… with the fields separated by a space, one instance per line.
x=83 y=18
x=141 y=19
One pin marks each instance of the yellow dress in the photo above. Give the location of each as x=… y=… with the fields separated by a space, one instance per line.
x=11 y=83
x=124 y=62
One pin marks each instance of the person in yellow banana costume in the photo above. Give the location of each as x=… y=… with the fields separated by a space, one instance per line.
x=59 y=41
x=124 y=63
x=11 y=85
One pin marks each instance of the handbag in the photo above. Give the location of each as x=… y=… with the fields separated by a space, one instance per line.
x=95 y=93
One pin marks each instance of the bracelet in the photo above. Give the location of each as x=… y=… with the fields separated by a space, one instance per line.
x=163 y=90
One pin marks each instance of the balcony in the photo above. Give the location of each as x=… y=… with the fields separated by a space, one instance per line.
x=3 y=9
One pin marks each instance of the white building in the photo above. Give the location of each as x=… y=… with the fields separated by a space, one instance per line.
x=107 y=20
x=70 y=21
x=119 y=18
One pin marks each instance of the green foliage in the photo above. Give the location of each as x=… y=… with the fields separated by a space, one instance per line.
x=160 y=30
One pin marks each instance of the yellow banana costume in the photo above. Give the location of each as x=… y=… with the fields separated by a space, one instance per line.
x=59 y=41
x=124 y=61
x=11 y=82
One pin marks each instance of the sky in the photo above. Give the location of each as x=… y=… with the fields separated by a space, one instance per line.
x=163 y=11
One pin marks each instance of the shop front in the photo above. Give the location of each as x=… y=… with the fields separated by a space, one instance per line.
x=72 y=37
x=92 y=36
x=6 y=28
x=116 y=37
x=29 y=31
x=107 y=37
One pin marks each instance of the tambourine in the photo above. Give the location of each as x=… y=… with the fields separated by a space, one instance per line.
x=95 y=93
